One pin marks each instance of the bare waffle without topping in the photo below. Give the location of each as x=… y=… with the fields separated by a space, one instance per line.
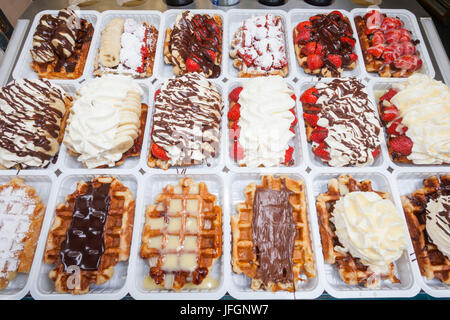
x=182 y=236
x=245 y=253
x=21 y=215
x=117 y=233
x=432 y=263
x=351 y=270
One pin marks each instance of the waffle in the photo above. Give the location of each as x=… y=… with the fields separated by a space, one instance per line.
x=245 y=257
x=184 y=214
x=116 y=236
x=432 y=263
x=351 y=270
x=21 y=215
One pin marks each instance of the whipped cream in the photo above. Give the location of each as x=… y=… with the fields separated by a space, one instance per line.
x=369 y=228
x=133 y=39
x=424 y=105
x=265 y=121
x=104 y=120
x=438 y=223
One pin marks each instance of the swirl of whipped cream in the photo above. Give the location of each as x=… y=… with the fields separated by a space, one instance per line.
x=424 y=105
x=370 y=228
x=438 y=223
x=104 y=120
x=349 y=115
x=265 y=121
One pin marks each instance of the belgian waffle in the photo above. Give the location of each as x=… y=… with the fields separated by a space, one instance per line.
x=351 y=270
x=117 y=232
x=21 y=215
x=245 y=254
x=432 y=263
x=182 y=235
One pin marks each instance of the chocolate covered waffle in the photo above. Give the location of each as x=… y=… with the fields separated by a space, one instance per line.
x=194 y=44
x=427 y=214
x=324 y=45
x=32 y=121
x=21 y=216
x=61 y=45
x=127 y=47
x=91 y=233
x=182 y=236
x=271 y=239
x=259 y=48
x=186 y=122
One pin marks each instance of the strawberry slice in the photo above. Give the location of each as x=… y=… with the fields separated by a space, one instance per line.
x=392 y=35
x=235 y=112
x=319 y=134
x=303 y=25
x=353 y=57
x=337 y=13
x=408 y=48
x=234 y=132
x=312 y=48
x=311 y=118
x=157 y=93
x=348 y=40
x=378 y=38
x=388 y=95
x=376 y=153
x=293 y=123
x=211 y=54
x=310 y=96
x=191 y=65
x=303 y=36
x=389 y=113
x=236 y=151
x=391 y=23
x=313 y=18
x=390 y=56
x=405 y=35
x=159 y=152
x=373 y=21
x=376 y=51
x=234 y=94
x=335 y=60
x=288 y=155
x=321 y=152
x=293 y=97
x=402 y=145
x=397 y=128
x=407 y=63
x=314 y=62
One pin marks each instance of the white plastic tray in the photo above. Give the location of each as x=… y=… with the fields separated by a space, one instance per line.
x=407 y=183
x=42 y=287
x=45 y=187
x=152 y=17
x=23 y=68
x=152 y=186
x=234 y=19
x=332 y=281
x=299 y=139
x=166 y=70
x=298 y=15
x=410 y=23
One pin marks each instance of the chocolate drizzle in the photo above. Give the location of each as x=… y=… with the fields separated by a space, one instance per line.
x=84 y=243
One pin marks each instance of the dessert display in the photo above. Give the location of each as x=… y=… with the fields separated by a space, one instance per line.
x=91 y=233
x=416 y=114
x=341 y=123
x=427 y=214
x=194 y=44
x=324 y=45
x=259 y=48
x=32 y=121
x=261 y=122
x=107 y=121
x=271 y=240
x=127 y=47
x=182 y=236
x=186 y=122
x=61 y=45
x=387 y=47
x=21 y=216
x=361 y=232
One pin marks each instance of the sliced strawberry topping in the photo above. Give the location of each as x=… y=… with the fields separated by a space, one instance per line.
x=388 y=95
x=310 y=96
x=373 y=21
x=321 y=152
x=392 y=35
x=390 y=113
x=407 y=63
x=338 y=13
x=159 y=152
x=294 y=97
x=311 y=118
x=312 y=48
x=314 y=62
x=389 y=56
x=391 y=23
x=348 y=40
x=288 y=155
x=353 y=57
x=157 y=92
x=378 y=38
x=405 y=35
x=293 y=123
x=313 y=18
x=408 y=48
x=236 y=151
x=234 y=132
x=402 y=145
x=335 y=60
x=234 y=94
x=303 y=36
x=319 y=134
x=376 y=51
x=235 y=112
x=303 y=25
x=191 y=65
x=397 y=128
x=211 y=54
x=376 y=152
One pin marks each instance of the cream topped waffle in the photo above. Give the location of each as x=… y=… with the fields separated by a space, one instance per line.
x=258 y=47
x=186 y=122
x=182 y=236
x=32 y=121
x=127 y=47
x=341 y=123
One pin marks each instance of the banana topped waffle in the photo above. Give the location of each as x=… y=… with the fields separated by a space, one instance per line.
x=194 y=44
x=361 y=232
x=427 y=214
x=21 y=216
x=61 y=45
x=92 y=233
x=182 y=235
x=271 y=239
x=127 y=47
x=387 y=47
x=259 y=48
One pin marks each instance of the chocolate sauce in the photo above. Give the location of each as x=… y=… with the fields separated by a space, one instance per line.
x=84 y=243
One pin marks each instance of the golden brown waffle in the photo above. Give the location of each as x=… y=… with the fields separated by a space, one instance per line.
x=244 y=258
x=23 y=203
x=351 y=270
x=117 y=236
x=432 y=263
x=182 y=235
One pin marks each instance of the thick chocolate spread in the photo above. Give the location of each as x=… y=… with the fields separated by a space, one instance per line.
x=273 y=234
x=84 y=243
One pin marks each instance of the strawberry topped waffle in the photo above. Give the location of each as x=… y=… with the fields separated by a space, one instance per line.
x=387 y=46
x=324 y=45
